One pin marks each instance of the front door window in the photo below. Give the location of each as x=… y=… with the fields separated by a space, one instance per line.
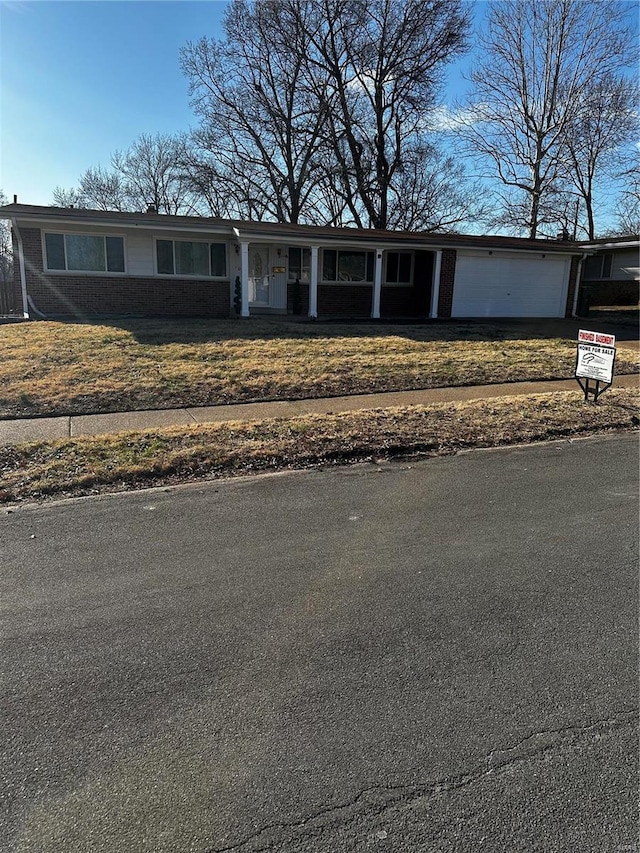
x=259 y=275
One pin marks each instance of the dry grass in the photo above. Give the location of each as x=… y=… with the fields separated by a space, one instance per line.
x=154 y=457
x=51 y=368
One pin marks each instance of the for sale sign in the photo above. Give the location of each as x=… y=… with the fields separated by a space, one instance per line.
x=596 y=356
x=600 y=338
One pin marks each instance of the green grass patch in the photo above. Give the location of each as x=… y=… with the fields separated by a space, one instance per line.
x=165 y=456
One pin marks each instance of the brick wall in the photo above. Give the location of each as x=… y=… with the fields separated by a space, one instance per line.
x=355 y=301
x=345 y=300
x=447 y=278
x=398 y=302
x=86 y=295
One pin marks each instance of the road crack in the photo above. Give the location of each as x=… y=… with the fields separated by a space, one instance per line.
x=495 y=761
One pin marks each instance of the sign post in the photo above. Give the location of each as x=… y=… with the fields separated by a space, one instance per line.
x=595 y=361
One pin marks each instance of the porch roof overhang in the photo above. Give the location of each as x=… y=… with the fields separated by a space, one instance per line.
x=295 y=235
x=608 y=245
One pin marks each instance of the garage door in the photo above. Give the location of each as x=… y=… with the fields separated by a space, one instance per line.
x=509 y=286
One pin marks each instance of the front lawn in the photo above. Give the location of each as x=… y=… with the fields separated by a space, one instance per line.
x=49 y=368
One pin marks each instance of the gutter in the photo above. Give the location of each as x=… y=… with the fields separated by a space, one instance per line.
x=23 y=271
x=578 y=283
x=626 y=244
x=281 y=232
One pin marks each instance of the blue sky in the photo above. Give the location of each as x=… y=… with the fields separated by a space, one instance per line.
x=79 y=80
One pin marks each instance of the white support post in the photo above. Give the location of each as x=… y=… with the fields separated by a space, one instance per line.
x=244 y=279
x=377 y=285
x=435 y=286
x=17 y=241
x=313 y=283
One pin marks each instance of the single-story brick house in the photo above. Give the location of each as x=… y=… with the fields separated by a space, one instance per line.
x=612 y=273
x=89 y=263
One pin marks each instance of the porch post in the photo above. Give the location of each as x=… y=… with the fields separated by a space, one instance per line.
x=313 y=283
x=244 y=278
x=435 y=286
x=377 y=285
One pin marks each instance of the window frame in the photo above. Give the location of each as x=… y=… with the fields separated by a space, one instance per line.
x=302 y=250
x=195 y=276
x=601 y=275
x=66 y=271
x=369 y=261
x=607 y=256
x=412 y=257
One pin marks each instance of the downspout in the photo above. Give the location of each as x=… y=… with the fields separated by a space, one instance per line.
x=23 y=271
x=578 y=282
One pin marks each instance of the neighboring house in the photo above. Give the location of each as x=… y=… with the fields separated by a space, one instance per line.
x=89 y=263
x=611 y=275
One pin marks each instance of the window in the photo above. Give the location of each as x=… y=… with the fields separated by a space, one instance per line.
x=398 y=268
x=598 y=266
x=341 y=265
x=191 y=258
x=299 y=263
x=84 y=252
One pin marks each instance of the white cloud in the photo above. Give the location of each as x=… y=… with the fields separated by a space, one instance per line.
x=443 y=118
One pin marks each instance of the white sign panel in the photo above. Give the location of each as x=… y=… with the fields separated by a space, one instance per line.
x=595 y=361
x=585 y=337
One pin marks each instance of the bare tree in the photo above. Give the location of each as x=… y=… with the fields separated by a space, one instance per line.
x=313 y=110
x=97 y=188
x=72 y=197
x=150 y=173
x=542 y=58
x=628 y=206
x=604 y=122
x=380 y=63
x=432 y=193
x=260 y=128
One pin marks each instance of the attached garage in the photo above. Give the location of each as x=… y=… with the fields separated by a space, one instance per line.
x=504 y=284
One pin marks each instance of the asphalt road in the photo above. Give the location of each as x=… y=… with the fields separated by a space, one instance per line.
x=429 y=657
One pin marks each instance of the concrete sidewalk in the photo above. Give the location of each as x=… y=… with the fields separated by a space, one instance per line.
x=47 y=429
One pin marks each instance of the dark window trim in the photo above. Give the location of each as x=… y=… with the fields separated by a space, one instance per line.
x=66 y=270
x=209 y=243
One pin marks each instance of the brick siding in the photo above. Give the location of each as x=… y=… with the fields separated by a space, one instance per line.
x=447 y=278
x=355 y=301
x=345 y=300
x=86 y=295
x=399 y=302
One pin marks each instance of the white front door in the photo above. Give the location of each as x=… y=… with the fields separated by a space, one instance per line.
x=259 y=275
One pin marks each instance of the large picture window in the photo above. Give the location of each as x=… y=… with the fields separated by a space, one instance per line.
x=347 y=265
x=191 y=258
x=84 y=252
